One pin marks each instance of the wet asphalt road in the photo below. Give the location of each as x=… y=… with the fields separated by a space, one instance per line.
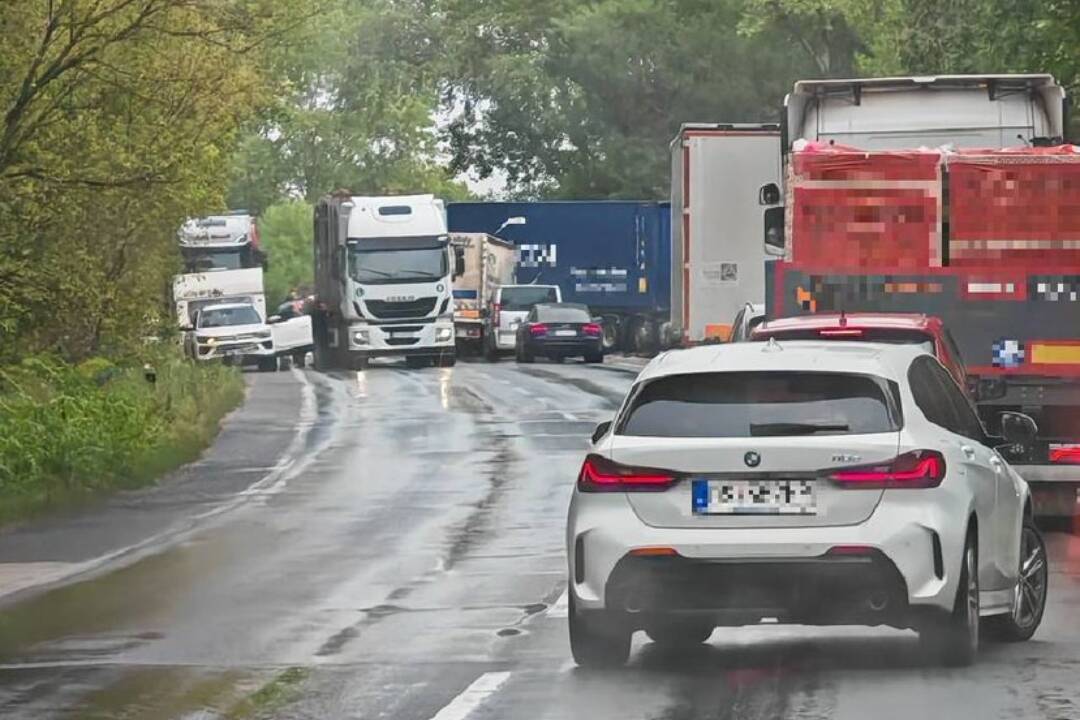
x=400 y=556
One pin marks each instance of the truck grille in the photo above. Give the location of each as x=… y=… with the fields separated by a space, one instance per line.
x=401 y=310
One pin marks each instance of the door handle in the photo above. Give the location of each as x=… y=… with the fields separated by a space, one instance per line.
x=969 y=452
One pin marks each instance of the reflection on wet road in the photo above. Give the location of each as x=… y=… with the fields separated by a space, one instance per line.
x=410 y=565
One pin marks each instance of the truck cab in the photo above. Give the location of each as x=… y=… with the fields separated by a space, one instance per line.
x=384 y=270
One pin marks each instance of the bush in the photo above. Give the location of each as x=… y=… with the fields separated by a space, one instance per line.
x=67 y=432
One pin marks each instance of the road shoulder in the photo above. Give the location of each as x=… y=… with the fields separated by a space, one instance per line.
x=255 y=441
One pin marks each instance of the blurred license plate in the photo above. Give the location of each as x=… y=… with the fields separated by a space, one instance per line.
x=565 y=333
x=753 y=497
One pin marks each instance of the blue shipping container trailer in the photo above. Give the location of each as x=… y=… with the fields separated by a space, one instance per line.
x=614 y=256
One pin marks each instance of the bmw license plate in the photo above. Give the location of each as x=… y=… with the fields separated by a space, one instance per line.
x=753 y=497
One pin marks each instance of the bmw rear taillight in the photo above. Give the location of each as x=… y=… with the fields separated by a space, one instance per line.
x=591 y=329
x=598 y=474
x=915 y=469
x=537 y=329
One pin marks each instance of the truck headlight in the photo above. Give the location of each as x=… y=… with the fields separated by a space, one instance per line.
x=203 y=338
x=360 y=337
x=443 y=334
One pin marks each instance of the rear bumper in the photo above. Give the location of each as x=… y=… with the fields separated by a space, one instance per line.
x=922 y=542
x=828 y=590
x=566 y=347
x=505 y=339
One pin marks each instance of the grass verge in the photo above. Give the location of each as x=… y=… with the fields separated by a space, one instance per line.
x=70 y=433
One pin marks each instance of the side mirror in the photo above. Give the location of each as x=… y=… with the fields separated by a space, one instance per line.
x=769 y=194
x=459 y=261
x=774 y=231
x=1017 y=428
x=601 y=430
x=273 y=319
x=187 y=328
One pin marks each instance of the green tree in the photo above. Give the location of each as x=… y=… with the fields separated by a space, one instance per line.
x=117 y=118
x=285 y=230
x=581 y=99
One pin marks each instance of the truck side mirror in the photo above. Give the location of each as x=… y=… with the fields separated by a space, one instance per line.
x=459 y=262
x=769 y=194
x=774 y=231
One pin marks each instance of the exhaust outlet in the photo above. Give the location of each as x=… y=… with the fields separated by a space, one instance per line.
x=877 y=601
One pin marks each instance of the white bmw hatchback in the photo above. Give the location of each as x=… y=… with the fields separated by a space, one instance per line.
x=803 y=482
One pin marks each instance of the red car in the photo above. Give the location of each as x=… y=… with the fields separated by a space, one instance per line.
x=871 y=327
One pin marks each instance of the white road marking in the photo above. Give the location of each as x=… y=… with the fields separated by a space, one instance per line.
x=473 y=696
x=561 y=608
x=567 y=416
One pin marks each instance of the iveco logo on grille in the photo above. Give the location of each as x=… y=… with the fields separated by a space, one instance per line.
x=752 y=459
x=401 y=298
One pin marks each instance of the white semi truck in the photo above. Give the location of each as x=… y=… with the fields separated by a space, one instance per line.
x=222 y=262
x=489 y=262
x=384 y=271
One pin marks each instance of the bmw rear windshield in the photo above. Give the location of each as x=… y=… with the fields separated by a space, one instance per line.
x=761 y=404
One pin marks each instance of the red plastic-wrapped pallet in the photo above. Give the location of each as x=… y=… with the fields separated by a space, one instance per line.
x=1018 y=209
x=856 y=209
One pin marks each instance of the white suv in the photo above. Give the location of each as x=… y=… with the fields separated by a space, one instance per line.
x=803 y=482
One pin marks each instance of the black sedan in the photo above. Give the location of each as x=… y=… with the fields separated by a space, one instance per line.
x=559 y=330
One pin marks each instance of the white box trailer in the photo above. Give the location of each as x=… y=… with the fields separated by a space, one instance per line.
x=717 y=257
x=489 y=262
x=192 y=291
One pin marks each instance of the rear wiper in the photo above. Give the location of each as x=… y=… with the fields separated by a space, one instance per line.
x=794 y=428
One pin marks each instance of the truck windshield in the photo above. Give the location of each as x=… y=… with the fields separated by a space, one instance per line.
x=227 y=316
x=205 y=260
x=397 y=266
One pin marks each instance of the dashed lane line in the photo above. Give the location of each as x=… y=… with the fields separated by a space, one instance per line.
x=473 y=696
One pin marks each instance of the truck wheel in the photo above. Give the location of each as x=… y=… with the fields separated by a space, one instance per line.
x=359 y=362
x=299 y=359
x=268 y=364
x=284 y=363
x=612 y=331
x=1022 y=622
x=491 y=353
x=447 y=360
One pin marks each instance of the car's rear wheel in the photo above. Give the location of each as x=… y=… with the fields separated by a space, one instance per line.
x=677 y=634
x=524 y=356
x=1030 y=601
x=954 y=639
x=597 y=358
x=597 y=644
